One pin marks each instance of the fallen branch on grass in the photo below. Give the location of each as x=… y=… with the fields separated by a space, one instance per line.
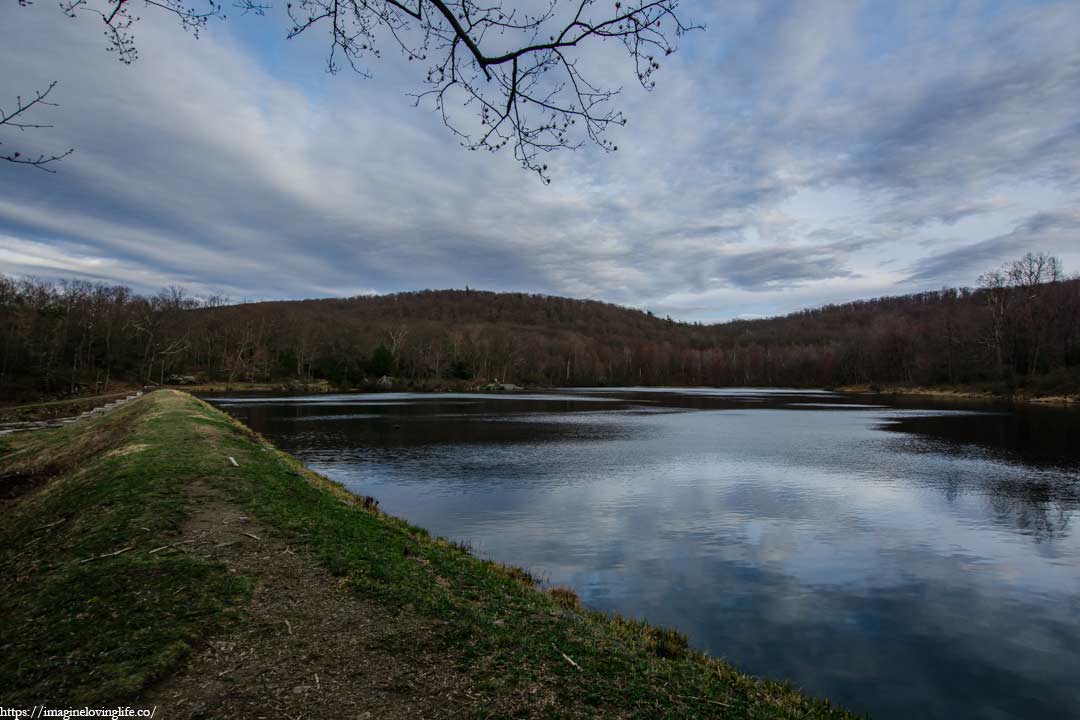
x=713 y=702
x=566 y=657
x=106 y=555
x=166 y=547
x=26 y=547
x=52 y=524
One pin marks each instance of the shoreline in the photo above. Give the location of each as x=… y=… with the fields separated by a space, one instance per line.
x=72 y=406
x=957 y=393
x=941 y=392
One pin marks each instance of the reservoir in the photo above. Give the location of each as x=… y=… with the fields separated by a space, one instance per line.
x=903 y=558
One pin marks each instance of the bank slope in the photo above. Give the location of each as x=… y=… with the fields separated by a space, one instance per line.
x=109 y=595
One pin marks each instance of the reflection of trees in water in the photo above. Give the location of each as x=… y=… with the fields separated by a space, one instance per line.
x=952 y=485
x=1041 y=501
x=1036 y=508
x=1044 y=437
x=1039 y=504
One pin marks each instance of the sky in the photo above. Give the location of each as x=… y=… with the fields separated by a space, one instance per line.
x=792 y=154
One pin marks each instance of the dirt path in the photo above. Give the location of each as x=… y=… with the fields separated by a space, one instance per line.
x=307 y=647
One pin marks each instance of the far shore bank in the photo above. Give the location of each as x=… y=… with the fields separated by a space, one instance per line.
x=60 y=408
x=959 y=392
x=51 y=409
x=953 y=392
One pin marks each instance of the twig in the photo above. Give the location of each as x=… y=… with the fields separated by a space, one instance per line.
x=288 y=625
x=165 y=547
x=26 y=547
x=52 y=524
x=566 y=657
x=713 y=702
x=252 y=536
x=112 y=554
x=233 y=461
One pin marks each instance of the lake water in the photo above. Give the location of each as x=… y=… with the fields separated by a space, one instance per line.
x=904 y=560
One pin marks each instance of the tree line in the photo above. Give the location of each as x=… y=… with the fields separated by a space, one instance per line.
x=1021 y=323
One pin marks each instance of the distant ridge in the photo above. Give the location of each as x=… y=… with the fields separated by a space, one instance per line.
x=81 y=336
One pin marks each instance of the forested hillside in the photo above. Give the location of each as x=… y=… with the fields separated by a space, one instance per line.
x=70 y=337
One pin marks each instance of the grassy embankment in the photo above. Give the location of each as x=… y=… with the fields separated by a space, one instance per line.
x=94 y=611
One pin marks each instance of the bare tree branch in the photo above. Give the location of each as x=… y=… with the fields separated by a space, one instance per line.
x=518 y=72
x=18 y=120
x=118 y=18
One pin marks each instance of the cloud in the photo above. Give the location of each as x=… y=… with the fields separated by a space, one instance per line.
x=769 y=267
x=792 y=155
x=1052 y=232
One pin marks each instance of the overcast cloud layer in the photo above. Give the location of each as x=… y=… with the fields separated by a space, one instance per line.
x=791 y=155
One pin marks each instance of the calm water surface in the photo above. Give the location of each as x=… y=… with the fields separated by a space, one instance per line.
x=903 y=560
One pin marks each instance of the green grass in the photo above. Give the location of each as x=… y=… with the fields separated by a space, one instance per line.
x=98 y=631
x=132 y=617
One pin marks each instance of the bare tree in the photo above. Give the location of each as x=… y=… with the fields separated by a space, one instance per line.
x=397 y=340
x=1034 y=276
x=18 y=119
x=995 y=286
x=1019 y=298
x=518 y=73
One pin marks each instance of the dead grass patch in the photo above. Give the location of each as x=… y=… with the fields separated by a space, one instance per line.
x=565 y=597
x=127 y=450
